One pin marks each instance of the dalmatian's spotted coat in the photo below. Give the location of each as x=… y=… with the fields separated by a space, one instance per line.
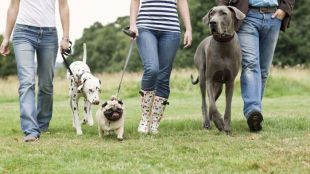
x=82 y=84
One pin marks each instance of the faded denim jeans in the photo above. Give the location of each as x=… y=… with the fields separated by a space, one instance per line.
x=42 y=41
x=258 y=37
x=157 y=50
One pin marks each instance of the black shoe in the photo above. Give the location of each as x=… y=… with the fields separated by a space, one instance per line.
x=254 y=121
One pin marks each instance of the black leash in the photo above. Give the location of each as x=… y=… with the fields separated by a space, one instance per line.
x=133 y=36
x=64 y=53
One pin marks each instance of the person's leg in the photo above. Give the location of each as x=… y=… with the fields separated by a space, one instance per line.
x=167 y=48
x=251 y=73
x=268 y=41
x=148 y=49
x=46 y=56
x=251 y=80
x=24 y=50
x=147 y=45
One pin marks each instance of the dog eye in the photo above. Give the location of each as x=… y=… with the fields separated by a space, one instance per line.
x=120 y=102
x=90 y=90
x=211 y=13
x=223 y=13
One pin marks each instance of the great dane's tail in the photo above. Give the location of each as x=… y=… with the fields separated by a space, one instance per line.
x=194 y=82
x=84 y=53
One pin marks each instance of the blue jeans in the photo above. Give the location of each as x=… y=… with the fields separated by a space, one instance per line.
x=42 y=41
x=258 y=37
x=157 y=50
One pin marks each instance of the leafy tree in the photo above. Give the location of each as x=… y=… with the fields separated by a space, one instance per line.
x=198 y=9
x=293 y=45
x=107 y=47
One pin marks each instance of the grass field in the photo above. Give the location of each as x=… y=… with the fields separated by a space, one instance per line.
x=182 y=146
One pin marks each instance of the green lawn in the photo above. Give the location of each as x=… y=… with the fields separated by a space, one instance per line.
x=182 y=145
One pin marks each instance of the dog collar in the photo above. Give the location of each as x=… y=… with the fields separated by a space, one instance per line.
x=225 y=38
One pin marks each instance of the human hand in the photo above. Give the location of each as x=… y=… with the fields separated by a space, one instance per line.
x=64 y=44
x=134 y=29
x=279 y=14
x=4 y=47
x=187 y=39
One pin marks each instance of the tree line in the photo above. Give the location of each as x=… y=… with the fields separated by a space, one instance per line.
x=107 y=45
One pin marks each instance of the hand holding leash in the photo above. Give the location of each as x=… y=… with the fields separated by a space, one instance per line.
x=129 y=32
x=67 y=52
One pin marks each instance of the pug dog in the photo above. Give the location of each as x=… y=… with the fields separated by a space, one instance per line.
x=110 y=118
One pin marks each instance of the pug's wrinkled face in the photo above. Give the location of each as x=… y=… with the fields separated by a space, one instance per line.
x=113 y=109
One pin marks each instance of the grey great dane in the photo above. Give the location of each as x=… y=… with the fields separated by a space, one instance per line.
x=217 y=59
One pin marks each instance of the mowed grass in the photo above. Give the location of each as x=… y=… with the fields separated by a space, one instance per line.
x=182 y=146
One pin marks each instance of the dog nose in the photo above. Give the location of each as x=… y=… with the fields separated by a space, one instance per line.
x=96 y=102
x=212 y=23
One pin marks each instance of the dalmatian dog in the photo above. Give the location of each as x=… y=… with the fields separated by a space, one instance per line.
x=82 y=84
x=110 y=118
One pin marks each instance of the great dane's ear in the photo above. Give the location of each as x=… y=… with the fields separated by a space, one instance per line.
x=206 y=18
x=239 y=15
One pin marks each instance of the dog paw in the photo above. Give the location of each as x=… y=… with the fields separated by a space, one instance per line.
x=79 y=132
x=90 y=123
x=207 y=125
x=219 y=123
x=227 y=129
x=120 y=137
x=84 y=121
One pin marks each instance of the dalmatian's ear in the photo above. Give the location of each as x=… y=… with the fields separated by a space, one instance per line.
x=80 y=87
x=82 y=84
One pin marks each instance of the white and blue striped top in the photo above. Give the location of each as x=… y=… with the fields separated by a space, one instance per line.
x=159 y=15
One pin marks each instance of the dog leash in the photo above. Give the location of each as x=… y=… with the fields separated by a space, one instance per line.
x=132 y=35
x=64 y=53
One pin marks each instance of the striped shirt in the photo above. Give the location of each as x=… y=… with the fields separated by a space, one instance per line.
x=159 y=15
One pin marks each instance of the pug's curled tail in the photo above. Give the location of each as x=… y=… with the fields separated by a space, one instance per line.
x=194 y=82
